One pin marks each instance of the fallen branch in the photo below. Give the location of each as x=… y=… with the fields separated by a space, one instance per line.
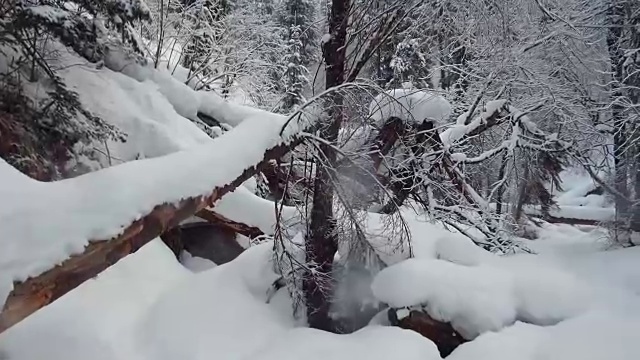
x=237 y=227
x=568 y=221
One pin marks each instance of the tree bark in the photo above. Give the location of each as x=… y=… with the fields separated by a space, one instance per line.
x=321 y=242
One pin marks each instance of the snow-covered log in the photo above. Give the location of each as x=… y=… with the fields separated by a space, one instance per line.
x=86 y=224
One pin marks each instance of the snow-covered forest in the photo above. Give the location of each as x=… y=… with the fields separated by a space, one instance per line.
x=319 y=179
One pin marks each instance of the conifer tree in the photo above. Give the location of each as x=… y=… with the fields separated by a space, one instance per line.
x=295 y=78
x=301 y=13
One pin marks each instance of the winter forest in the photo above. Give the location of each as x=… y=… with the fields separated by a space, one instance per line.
x=319 y=179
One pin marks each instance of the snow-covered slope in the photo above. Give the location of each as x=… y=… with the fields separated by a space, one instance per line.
x=152 y=125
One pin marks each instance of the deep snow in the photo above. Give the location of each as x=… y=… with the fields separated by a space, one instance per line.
x=576 y=299
x=149 y=307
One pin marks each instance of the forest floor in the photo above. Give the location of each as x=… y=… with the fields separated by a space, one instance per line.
x=150 y=306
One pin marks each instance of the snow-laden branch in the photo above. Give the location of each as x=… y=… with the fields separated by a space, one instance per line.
x=83 y=225
x=494 y=113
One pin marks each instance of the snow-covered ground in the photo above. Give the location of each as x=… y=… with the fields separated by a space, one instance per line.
x=560 y=304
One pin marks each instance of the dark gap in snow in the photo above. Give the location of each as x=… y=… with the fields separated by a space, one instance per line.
x=209 y=120
x=211 y=242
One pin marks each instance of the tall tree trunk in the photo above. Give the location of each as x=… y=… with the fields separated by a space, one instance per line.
x=616 y=54
x=321 y=241
x=634 y=97
x=635 y=210
x=500 y=195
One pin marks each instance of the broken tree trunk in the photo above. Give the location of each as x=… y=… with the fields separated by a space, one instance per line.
x=37 y=292
x=403 y=188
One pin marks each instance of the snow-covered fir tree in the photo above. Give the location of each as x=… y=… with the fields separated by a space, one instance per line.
x=301 y=13
x=409 y=65
x=55 y=125
x=295 y=76
x=204 y=17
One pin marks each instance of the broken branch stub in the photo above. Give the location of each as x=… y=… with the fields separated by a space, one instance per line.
x=213 y=217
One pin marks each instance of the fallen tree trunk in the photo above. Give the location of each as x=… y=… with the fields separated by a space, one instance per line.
x=568 y=221
x=36 y=292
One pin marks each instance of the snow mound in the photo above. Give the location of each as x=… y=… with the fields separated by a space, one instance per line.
x=220 y=313
x=485 y=297
x=577 y=190
x=186 y=102
x=243 y=206
x=462 y=251
x=140 y=109
x=412 y=106
x=593 y=336
x=195 y=263
x=223 y=313
x=474 y=300
x=97 y=320
x=371 y=343
x=232 y=114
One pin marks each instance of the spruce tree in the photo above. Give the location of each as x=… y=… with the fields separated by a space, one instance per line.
x=301 y=13
x=295 y=79
x=409 y=65
x=297 y=16
x=205 y=16
x=50 y=127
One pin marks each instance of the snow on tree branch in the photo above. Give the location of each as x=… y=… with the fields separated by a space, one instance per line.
x=42 y=224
